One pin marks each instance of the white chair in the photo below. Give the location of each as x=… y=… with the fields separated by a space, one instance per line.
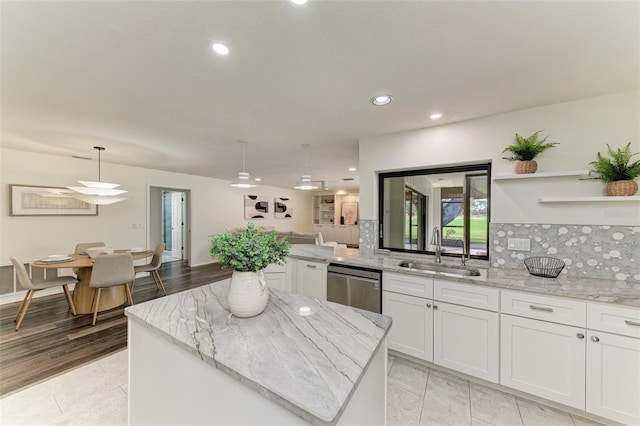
x=111 y=270
x=33 y=285
x=154 y=267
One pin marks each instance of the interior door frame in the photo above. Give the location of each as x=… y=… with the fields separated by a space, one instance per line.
x=186 y=217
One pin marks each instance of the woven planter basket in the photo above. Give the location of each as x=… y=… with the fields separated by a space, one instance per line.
x=524 y=167
x=622 y=188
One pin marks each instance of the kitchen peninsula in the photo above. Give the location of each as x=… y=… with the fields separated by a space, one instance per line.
x=192 y=362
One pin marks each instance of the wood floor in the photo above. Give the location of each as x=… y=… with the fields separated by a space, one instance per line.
x=52 y=341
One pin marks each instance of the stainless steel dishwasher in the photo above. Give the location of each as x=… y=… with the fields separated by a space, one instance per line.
x=357 y=287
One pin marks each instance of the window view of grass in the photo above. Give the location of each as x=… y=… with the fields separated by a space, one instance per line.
x=478 y=229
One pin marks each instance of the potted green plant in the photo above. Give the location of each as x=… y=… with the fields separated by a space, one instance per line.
x=526 y=149
x=248 y=251
x=617 y=170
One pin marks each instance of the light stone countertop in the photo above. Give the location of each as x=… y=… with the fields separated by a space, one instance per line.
x=583 y=288
x=310 y=365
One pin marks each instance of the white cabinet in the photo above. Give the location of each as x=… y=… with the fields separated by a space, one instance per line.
x=312 y=279
x=276 y=276
x=342 y=233
x=327 y=231
x=412 y=329
x=408 y=300
x=539 y=357
x=466 y=338
x=613 y=363
x=354 y=235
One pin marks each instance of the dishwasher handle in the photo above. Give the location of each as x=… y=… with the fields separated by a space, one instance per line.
x=368 y=280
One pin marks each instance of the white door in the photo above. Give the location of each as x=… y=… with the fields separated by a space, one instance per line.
x=613 y=377
x=543 y=359
x=176 y=224
x=412 y=330
x=466 y=340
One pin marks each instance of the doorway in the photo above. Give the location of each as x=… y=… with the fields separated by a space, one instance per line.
x=169 y=217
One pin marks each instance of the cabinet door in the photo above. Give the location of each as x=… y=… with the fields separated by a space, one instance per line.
x=543 y=359
x=354 y=235
x=341 y=234
x=466 y=340
x=613 y=377
x=276 y=280
x=412 y=329
x=312 y=279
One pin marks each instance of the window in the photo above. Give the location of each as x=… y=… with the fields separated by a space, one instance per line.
x=453 y=200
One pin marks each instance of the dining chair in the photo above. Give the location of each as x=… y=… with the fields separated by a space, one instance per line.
x=154 y=267
x=81 y=248
x=111 y=270
x=32 y=285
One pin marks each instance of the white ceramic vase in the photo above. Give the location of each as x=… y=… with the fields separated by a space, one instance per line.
x=248 y=294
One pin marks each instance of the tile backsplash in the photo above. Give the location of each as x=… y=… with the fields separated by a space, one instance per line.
x=598 y=251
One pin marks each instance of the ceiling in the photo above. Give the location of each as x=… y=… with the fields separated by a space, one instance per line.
x=140 y=78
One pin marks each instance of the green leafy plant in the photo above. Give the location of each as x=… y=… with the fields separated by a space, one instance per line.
x=248 y=250
x=617 y=166
x=527 y=149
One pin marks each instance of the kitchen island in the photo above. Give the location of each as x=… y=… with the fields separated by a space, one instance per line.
x=192 y=362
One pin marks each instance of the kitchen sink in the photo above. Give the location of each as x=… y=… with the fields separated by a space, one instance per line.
x=439 y=267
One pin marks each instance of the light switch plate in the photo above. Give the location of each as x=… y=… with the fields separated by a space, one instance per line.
x=519 y=244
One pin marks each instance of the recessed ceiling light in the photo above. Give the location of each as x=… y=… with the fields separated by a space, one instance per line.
x=220 y=48
x=258 y=179
x=352 y=169
x=381 y=100
x=436 y=116
x=298 y=2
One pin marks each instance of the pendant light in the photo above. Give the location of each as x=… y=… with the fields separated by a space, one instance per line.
x=305 y=182
x=101 y=193
x=244 y=178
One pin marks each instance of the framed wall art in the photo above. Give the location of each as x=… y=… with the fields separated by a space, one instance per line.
x=255 y=207
x=350 y=212
x=282 y=209
x=28 y=200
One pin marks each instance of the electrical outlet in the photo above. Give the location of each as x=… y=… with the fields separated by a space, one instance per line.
x=519 y=244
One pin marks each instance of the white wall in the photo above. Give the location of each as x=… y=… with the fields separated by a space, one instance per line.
x=581 y=127
x=215 y=206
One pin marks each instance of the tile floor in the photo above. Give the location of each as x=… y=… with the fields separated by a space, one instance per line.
x=96 y=394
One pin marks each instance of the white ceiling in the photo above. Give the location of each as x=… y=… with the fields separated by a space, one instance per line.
x=140 y=79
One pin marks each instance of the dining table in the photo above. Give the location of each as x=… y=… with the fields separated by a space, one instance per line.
x=83 y=294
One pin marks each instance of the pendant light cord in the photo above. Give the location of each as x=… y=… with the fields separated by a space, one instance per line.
x=100 y=149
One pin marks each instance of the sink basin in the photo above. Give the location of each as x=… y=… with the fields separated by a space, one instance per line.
x=438 y=267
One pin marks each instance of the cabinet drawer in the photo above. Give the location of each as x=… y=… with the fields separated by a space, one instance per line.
x=408 y=284
x=273 y=268
x=615 y=319
x=553 y=309
x=467 y=295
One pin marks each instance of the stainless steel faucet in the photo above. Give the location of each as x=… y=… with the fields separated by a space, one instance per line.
x=437 y=241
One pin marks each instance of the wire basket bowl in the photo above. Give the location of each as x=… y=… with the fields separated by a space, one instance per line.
x=543 y=266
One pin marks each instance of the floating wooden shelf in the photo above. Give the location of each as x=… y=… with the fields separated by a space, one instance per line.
x=586 y=199
x=542 y=175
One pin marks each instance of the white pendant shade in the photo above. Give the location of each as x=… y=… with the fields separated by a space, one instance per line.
x=243 y=181
x=89 y=190
x=94 y=184
x=244 y=178
x=305 y=183
x=98 y=192
x=101 y=200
